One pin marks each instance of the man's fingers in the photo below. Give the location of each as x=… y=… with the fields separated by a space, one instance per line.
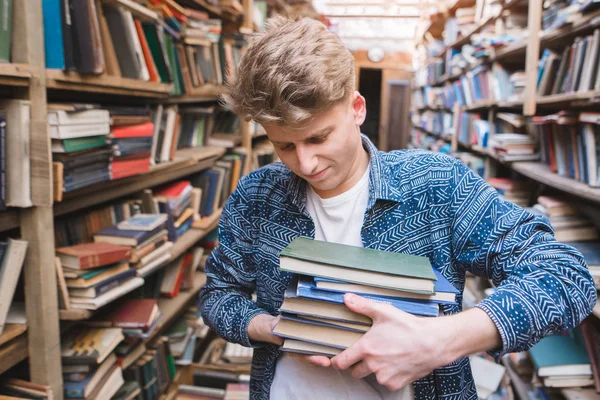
x=360 y=370
x=363 y=306
x=320 y=361
x=348 y=357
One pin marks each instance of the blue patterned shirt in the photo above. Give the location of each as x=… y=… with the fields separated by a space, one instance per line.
x=420 y=203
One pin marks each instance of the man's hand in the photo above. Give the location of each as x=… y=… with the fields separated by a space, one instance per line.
x=401 y=348
x=260 y=330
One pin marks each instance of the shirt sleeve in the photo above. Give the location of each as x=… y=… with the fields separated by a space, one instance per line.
x=225 y=301
x=542 y=286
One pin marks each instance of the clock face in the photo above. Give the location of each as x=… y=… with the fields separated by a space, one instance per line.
x=375 y=54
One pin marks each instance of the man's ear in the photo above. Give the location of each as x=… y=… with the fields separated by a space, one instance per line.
x=359 y=107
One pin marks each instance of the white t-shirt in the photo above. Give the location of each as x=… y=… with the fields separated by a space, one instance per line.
x=338 y=219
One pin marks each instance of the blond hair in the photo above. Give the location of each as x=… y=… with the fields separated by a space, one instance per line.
x=290 y=72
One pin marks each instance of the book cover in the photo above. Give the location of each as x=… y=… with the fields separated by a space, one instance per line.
x=113 y=234
x=144 y=222
x=306 y=289
x=134 y=313
x=92 y=255
x=359 y=258
x=89 y=57
x=103 y=286
x=53 y=34
x=561 y=355
x=133 y=131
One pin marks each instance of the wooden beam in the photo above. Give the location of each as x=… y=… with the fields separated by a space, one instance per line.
x=534 y=23
x=37 y=224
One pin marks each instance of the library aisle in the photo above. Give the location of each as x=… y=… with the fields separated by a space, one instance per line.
x=118 y=157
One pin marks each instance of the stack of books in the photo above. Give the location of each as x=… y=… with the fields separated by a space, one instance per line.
x=90 y=369
x=314 y=317
x=175 y=201
x=131 y=141
x=15 y=389
x=568 y=223
x=146 y=236
x=96 y=273
x=518 y=192
x=79 y=147
x=514 y=147
x=137 y=318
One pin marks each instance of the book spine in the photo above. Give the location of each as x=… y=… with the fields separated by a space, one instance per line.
x=2 y=164
x=67 y=31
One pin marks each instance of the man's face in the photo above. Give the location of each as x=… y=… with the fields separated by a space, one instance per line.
x=327 y=152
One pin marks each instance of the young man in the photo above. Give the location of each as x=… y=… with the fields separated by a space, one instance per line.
x=297 y=80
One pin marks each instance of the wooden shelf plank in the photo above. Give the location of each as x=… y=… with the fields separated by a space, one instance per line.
x=172 y=308
x=541 y=173
x=562 y=98
x=60 y=80
x=9 y=219
x=16 y=74
x=210 y=222
x=11 y=331
x=200 y=94
x=187 y=162
x=13 y=352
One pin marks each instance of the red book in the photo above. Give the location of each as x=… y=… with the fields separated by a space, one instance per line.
x=134 y=314
x=146 y=51
x=123 y=168
x=132 y=131
x=175 y=190
x=92 y=255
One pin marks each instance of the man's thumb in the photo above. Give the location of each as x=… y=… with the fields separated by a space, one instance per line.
x=361 y=305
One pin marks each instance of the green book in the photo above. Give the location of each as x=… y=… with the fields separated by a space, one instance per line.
x=171 y=56
x=78 y=144
x=157 y=51
x=561 y=355
x=358 y=265
x=5 y=29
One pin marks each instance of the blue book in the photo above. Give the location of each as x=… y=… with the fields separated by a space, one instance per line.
x=125 y=237
x=184 y=227
x=307 y=289
x=164 y=208
x=213 y=182
x=53 y=34
x=444 y=291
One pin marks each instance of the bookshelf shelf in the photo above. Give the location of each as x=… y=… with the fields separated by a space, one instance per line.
x=171 y=308
x=9 y=219
x=435 y=135
x=16 y=74
x=203 y=93
x=559 y=37
x=583 y=98
x=541 y=173
x=13 y=347
x=105 y=84
x=187 y=161
x=210 y=222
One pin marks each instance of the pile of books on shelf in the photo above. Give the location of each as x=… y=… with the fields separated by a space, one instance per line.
x=179 y=274
x=90 y=369
x=95 y=274
x=221 y=372
x=518 y=192
x=185 y=337
x=15 y=389
x=79 y=149
x=514 y=147
x=178 y=201
x=146 y=236
x=568 y=222
x=131 y=143
x=561 y=13
x=314 y=318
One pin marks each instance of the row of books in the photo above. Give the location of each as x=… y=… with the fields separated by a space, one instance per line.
x=570 y=144
x=572 y=70
x=558 y=14
x=314 y=317
x=436 y=122
x=151 y=41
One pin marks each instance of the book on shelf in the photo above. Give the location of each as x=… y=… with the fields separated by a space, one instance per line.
x=107 y=297
x=84 y=388
x=13 y=388
x=89 y=346
x=12 y=257
x=92 y=255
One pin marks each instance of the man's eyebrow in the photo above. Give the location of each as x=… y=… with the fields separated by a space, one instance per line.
x=322 y=132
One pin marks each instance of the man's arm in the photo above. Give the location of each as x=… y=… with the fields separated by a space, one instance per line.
x=543 y=287
x=226 y=299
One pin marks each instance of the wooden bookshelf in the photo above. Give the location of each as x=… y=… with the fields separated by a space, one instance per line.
x=201 y=94
x=174 y=307
x=541 y=172
x=17 y=74
x=13 y=347
x=105 y=84
x=562 y=99
x=187 y=162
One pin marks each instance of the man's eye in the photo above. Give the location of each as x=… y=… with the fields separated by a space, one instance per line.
x=287 y=147
x=318 y=139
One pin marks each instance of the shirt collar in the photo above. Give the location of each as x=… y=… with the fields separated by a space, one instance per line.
x=383 y=185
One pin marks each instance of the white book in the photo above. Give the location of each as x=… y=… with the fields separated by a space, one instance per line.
x=112 y=385
x=10 y=271
x=111 y=295
x=159 y=262
x=156 y=254
x=85 y=117
x=135 y=43
x=17 y=114
x=165 y=153
x=77 y=131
